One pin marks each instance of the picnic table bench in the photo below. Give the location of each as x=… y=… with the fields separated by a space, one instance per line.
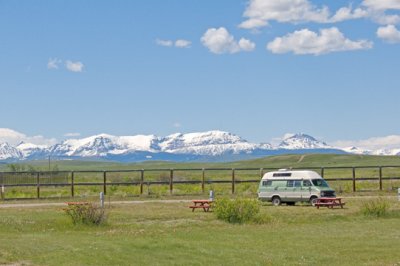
x=329 y=202
x=204 y=204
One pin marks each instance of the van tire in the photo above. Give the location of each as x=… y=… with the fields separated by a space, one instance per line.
x=276 y=201
x=313 y=200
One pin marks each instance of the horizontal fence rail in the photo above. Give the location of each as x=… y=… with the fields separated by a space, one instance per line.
x=142 y=178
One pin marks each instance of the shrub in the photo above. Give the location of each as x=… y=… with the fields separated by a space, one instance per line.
x=86 y=214
x=377 y=207
x=236 y=211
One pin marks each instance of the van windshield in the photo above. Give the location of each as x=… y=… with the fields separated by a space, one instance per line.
x=319 y=183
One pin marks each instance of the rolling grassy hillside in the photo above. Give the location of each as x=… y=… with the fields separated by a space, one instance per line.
x=281 y=161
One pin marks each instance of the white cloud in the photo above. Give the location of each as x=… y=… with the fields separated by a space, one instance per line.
x=53 y=63
x=377 y=10
x=308 y=42
x=246 y=45
x=382 y=4
x=72 y=134
x=389 y=33
x=14 y=138
x=74 y=66
x=387 y=142
x=182 y=43
x=260 y=12
x=219 y=41
x=167 y=43
x=347 y=13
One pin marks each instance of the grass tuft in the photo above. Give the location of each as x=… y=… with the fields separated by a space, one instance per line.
x=88 y=214
x=375 y=207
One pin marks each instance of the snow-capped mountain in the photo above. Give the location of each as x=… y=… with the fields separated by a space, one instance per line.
x=386 y=152
x=28 y=149
x=206 y=143
x=302 y=141
x=356 y=150
x=9 y=152
x=207 y=146
x=104 y=144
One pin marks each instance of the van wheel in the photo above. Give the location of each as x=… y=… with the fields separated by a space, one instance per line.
x=276 y=201
x=313 y=200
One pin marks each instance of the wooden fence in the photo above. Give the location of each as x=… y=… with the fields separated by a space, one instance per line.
x=193 y=176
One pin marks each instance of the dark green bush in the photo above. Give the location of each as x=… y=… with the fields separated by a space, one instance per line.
x=88 y=214
x=376 y=207
x=237 y=210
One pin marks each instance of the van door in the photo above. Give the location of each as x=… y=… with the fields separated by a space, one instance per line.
x=294 y=190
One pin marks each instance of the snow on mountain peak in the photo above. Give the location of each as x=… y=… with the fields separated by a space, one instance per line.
x=209 y=144
x=28 y=149
x=104 y=144
x=302 y=141
x=9 y=152
x=213 y=142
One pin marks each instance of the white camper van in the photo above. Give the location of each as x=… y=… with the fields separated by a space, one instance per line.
x=287 y=186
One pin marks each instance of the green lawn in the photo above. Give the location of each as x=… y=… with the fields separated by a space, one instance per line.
x=170 y=234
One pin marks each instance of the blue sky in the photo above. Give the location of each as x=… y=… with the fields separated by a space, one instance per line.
x=253 y=68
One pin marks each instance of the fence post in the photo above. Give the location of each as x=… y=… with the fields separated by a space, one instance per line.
x=105 y=182
x=322 y=172
x=354 y=179
x=233 y=180
x=141 y=181
x=380 y=177
x=2 y=186
x=171 y=180
x=203 y=177
x=261 y=172
x=72 y=184
x=38 y=185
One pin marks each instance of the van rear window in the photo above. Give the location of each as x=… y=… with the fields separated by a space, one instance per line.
x=281 y=174
x=267 y=183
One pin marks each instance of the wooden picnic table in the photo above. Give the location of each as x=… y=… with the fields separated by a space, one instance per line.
x=329 y=202
x=204 y=204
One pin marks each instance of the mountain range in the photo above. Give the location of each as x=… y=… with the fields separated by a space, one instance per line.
x=202 y=146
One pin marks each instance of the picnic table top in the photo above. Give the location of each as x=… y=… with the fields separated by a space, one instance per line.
x=202 y=201
x=325 y=198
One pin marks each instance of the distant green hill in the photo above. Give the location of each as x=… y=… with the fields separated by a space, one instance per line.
x=281 y=161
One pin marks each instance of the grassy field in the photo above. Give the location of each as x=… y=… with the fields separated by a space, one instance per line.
x=170 y=234
x=311 y=161
x=281 y=161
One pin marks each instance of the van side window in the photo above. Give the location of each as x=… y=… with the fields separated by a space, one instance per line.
x=267 y=183
x=297 y=183
x=290 y=183
x=306 y=183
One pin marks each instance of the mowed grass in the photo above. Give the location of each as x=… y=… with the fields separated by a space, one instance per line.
x=170 y=234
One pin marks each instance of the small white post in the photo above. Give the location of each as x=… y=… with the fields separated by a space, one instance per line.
x=102 y=199
x=211 y=195
x=2 y=192
x=398 y=193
